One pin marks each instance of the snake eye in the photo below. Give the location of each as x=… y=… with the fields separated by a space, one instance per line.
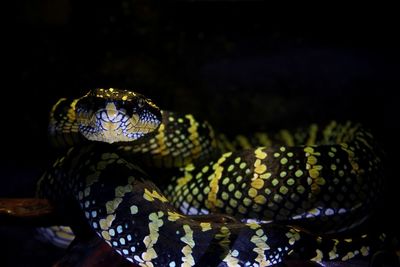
x=140 y=103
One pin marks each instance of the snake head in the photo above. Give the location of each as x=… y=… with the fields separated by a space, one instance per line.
x=113 y=115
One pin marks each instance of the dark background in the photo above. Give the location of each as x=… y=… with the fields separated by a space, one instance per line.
x=243 y=66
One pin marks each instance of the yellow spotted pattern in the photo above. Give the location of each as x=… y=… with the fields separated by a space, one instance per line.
x=319 y=173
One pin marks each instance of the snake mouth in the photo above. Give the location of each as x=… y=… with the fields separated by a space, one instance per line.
x=110 y=126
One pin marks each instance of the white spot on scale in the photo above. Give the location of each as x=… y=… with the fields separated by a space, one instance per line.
x=134 y=209
x=250 y=220
x=313 y=213
x=342 y=210
x=111 y=232
x=119 y=229
x=172 y=264
x=190 y=210
x=94 y=225
x=104 y=116
x=296 y=217
x=203 y=211
x=193 y=211
x=133 y=249
x=184 y=207
x=125 y=251
x=122 y=241
x=119 y=117
x=329 y=212
x=308 y=214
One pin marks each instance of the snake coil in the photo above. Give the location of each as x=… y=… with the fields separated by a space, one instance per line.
x=225 y=206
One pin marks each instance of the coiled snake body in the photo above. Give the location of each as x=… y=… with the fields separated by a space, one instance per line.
x=226 y=206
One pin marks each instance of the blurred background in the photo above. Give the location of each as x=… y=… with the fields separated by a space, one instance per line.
x=243 y=65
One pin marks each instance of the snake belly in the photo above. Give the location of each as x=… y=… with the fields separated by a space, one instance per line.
x=271 y=190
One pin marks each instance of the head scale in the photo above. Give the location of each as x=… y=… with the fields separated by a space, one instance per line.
x=113 y=115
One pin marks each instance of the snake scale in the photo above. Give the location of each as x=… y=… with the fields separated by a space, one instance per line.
x=241 y=202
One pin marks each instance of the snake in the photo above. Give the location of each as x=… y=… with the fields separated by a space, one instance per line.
x=165 y=189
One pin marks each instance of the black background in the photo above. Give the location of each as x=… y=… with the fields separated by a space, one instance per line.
x=243 y=66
